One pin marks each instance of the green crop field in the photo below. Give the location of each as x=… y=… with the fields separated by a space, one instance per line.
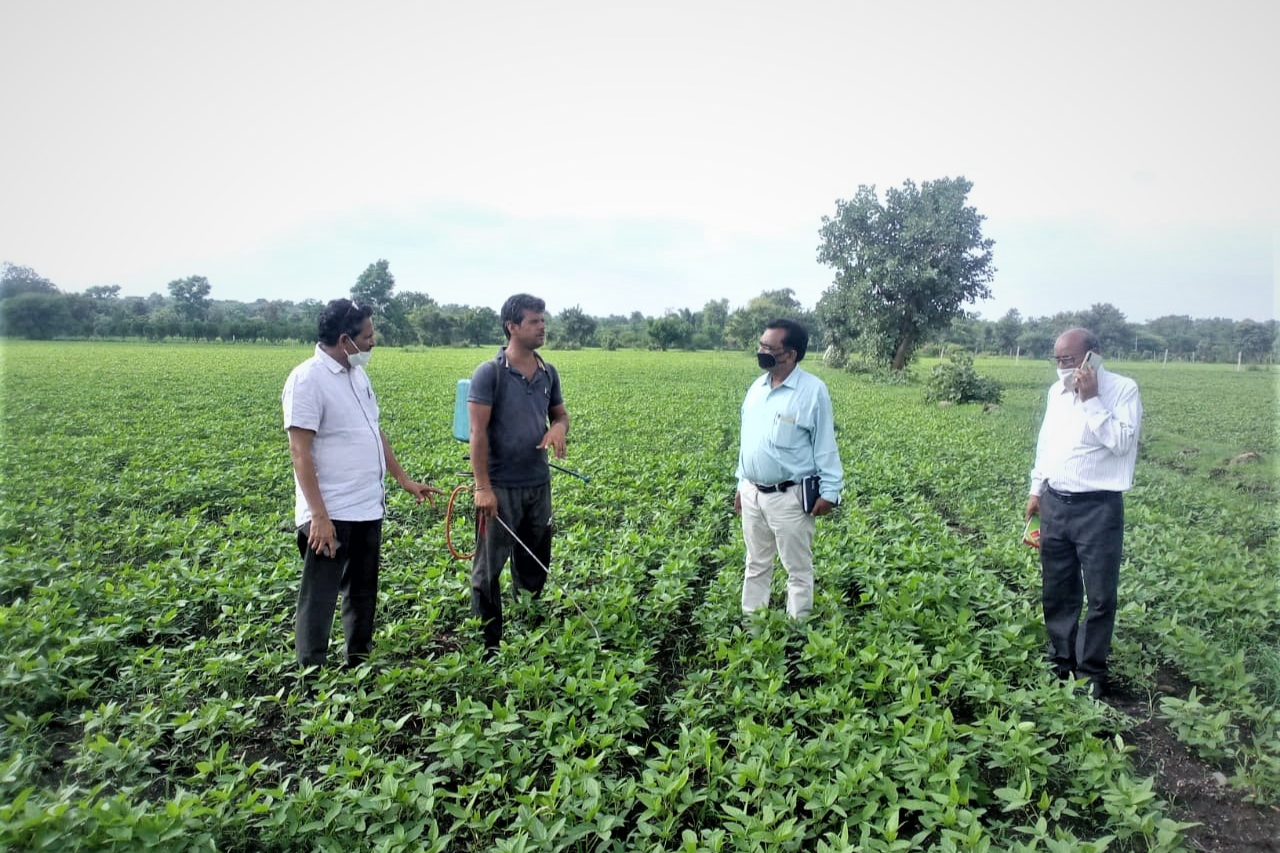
x=149 y=698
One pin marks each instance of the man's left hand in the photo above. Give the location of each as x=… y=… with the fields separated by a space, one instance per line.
x=1086 y=383
x=422 y=491
x=554 y=439
x=823 y=506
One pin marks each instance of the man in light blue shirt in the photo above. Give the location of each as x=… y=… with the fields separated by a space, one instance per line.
x=788 y=435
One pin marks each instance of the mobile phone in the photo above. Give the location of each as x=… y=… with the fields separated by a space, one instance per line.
x=1091 y=360
x=1031 y=532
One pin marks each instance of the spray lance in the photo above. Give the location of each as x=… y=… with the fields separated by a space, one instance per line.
x=462 y=432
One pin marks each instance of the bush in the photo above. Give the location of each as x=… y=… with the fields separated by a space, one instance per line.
x=956 y=381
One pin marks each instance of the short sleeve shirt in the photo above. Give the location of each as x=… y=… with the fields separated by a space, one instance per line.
x=338 y=404
x=518 y=419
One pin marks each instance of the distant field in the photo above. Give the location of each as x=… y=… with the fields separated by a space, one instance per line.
x=148 y=576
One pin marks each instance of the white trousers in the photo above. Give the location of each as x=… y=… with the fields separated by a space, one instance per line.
x=775 y=524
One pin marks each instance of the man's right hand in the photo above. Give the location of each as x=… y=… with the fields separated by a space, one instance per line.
x=323 y=538
x=737 y=503
x=1033 y=507
x=486 y=502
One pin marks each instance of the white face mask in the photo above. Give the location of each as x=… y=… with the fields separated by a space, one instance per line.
x=1065 y=374
x=359 y=358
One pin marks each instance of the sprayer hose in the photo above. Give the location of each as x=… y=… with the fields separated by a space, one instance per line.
x=448 y=522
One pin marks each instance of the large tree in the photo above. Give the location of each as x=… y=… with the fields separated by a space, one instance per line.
x=1008 y=328
x=670 y=331
x=16 y=280
x=574 y=327
x=902 y=268
x=433 y=326
x=477 y=326
x=745 y=325
x=715 y=316
x=1114 y=332
x=38 y=315
x=103 y=291
x=191 y=296
x=374 y=286
x=1254 y=340
x=1178 y=331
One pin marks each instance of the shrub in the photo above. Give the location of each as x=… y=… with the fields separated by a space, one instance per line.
x=956 y=381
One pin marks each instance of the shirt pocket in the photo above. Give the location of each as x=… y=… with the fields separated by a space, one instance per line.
x=786 y=432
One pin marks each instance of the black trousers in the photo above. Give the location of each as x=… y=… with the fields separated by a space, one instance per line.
x=351 y=573
x=1080 y=549
x=527 y=511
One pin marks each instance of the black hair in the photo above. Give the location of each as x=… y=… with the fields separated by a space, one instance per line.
x=341 y=317
x=794 y=336
x=513 y=310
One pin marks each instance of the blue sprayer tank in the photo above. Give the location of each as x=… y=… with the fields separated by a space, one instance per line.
x=461 y=420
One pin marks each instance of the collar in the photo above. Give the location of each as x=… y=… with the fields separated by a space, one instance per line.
x=502 y=360
x=329 y=361
x=792 y=380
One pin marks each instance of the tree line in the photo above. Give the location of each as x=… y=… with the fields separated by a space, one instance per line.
x=33 y=307
x=904 y=268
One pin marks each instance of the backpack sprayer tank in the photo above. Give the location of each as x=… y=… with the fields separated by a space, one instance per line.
x=461 y=419
x=462 y=424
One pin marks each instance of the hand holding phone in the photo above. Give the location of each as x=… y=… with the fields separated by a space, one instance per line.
x=1086 y=376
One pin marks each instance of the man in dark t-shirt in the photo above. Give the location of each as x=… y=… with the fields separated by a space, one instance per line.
x=517 y=413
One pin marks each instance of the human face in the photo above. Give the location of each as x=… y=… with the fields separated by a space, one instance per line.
x=363 y=341
x=1068 y=353
x=771 y=343
x=531 y=331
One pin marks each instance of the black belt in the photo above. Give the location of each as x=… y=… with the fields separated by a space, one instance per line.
x=1079 y=497
x=777 y=487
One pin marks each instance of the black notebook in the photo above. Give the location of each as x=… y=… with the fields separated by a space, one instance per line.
x=809 y=492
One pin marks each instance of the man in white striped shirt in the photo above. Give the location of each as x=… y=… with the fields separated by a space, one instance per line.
x=1084 y=463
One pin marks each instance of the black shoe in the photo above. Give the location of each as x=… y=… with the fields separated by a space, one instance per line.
x=1098 y=688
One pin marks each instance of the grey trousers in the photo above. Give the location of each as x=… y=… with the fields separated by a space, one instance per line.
x=527 y=511
x=1080 y=549
x=351 y=573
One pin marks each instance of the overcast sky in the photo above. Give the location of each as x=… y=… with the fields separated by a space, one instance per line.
x=637 y=156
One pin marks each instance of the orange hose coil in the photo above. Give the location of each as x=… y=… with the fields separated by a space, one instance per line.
x=448 y=523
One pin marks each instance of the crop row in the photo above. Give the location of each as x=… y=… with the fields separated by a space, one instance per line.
x=151 y=699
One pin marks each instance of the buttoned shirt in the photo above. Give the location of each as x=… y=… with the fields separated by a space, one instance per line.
x=1089 y=445
x=788 y=433
x=338 y=404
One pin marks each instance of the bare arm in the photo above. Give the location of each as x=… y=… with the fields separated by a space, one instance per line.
x=559 y=429
x=486 y=502
x=420 y=491
x=321 y=537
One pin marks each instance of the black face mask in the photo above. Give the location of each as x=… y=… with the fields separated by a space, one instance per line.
x=766 y=360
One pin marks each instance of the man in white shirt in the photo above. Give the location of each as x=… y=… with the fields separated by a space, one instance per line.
x=1084 y=463
x=340 y=459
